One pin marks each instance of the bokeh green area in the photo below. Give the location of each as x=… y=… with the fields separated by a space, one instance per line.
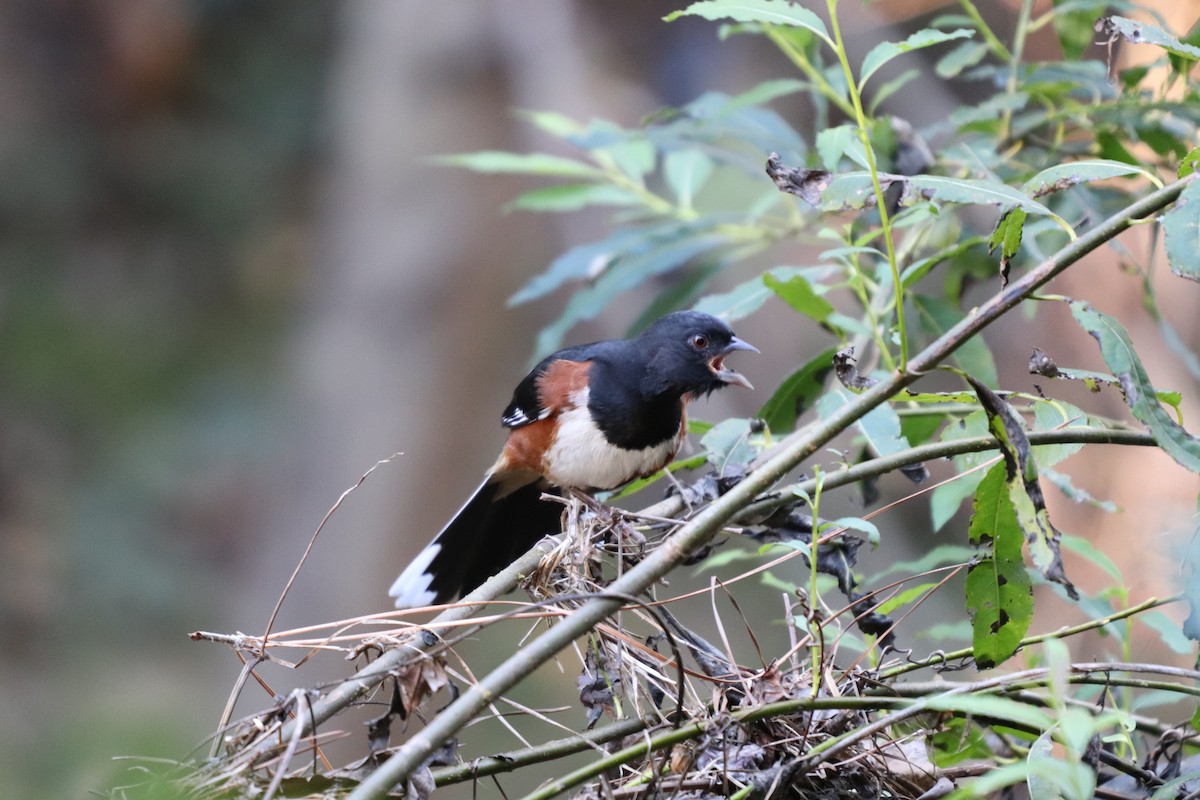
x=156 y=162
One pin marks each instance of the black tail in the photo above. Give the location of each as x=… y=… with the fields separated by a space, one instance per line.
x=485 y=536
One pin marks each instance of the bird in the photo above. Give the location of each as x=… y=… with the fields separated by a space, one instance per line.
x=590 y=417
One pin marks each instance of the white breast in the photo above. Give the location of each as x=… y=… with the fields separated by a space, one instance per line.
x=582 y=458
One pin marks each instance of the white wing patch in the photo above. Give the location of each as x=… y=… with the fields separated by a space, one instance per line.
x=412 y=589
x=581 y=457
x=519 y=417
x=516 y=419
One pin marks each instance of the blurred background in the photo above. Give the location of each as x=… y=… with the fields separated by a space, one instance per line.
x=231 y=280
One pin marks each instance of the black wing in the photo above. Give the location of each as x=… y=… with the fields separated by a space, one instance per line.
x=525 y=406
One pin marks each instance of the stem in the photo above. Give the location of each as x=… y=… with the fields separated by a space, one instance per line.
x=801 y=62
x=985 y=30
x=817 y=650
x=885 y=222
x=507 y=762
x=1014 y=63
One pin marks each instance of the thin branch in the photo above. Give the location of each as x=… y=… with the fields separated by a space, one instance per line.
x=515 y=759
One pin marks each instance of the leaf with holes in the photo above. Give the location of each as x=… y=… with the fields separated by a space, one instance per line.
x=1007 y=237
x=1136 y=32
x=999 y=591
x=1024 y=491
x=1064 y=176
x=1118 y=352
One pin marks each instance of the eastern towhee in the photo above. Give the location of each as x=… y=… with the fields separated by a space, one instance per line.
x=590 y=417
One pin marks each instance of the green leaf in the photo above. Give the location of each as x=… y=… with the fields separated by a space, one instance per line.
x=1111 y=147
x=634 y=156
x=890 y=87
x=1116 y=348
x=590 y=260
x=796 y=393
x=1136 y=32
x=919 y=269
x=1007 y=236
x=552 y=122
x=494 y=161
x=572 y=197
x=686 y=172
x=1169 y=631
x=1051 y=415
x=836 y=142
x=854 y=190
x=1181 y=226
x=728 y=443
x=1024 y=491
x=770 y=12
x=1073 y=493
x=1064 y=176
x=918 y=428
x=856 y=524
x=998 y=589
x=939 y=556
x=622 y=272
x=992 y=706
x=880 y=426
x=946 y=499
x=800 y=295
x=965 y=55
x=1097 y=557
x=884 y=52
x=993 y=519
x=956 y=740
x=1073 y=22
x=747 y=297
x=1189 y=163
x=936 y=316
x=1047 y=776
x=909 y=595
x=975 y=192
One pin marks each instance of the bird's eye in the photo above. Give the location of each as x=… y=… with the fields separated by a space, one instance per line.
x=699 y=341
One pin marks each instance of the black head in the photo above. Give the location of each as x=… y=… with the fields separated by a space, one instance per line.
x=687 y=351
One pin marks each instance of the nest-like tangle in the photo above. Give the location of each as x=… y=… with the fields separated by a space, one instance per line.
x=680 y=714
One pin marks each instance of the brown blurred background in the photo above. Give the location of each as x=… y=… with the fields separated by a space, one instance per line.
x=231 y=280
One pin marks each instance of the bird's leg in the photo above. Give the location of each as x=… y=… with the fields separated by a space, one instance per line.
x=603 y=512
x=611 y=519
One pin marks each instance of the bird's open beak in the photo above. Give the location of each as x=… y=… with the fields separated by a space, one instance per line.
x=727 y=375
